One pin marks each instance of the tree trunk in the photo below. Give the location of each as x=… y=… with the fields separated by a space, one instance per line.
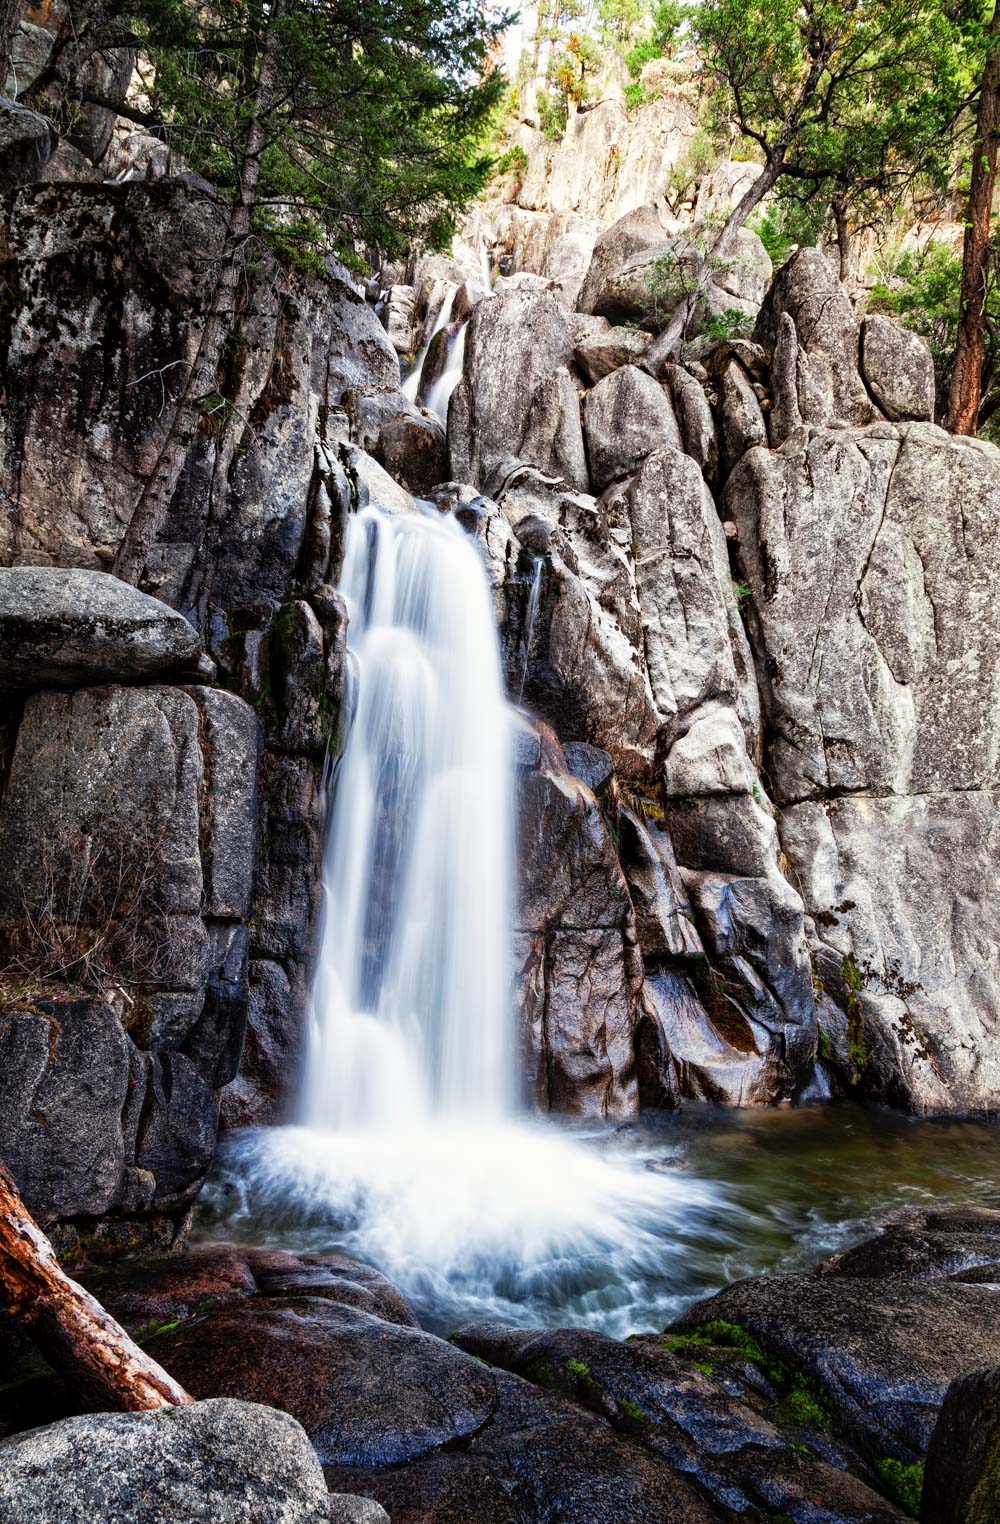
x=839 y=207
x=154 y=500
x=10 y=20
x=666 y=348
x=963 y=400
x=93 y=1354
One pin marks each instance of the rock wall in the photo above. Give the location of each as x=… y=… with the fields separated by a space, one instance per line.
x=128 y=823
x=746 y=603
x=766 y=594
x=220 y=788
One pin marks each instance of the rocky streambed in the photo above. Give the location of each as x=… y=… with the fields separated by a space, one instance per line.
x=843 y=1393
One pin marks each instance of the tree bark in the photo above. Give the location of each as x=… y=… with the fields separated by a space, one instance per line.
x=92 y=1352
x=666 y=348
x=154 y=500
x=966 y=376
x=10 y=20
x=839 y=207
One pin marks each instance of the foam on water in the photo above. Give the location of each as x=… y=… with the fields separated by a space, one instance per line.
x=512 y=1222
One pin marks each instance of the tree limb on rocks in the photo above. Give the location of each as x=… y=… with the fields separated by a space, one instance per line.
x=93 y=1354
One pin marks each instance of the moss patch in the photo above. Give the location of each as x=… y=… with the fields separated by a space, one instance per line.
x=803 y=1401
x=905 y=1484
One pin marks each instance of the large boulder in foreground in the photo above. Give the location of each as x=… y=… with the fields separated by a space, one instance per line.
x=67 y=628
x=223 y=1460
x=880 y=1354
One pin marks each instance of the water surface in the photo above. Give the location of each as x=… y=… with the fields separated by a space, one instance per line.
x=615 y=1228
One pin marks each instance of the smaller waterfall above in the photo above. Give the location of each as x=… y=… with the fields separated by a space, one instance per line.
x=411 y=385
x=531 y=614
x=440 y=393
x=411 y=1010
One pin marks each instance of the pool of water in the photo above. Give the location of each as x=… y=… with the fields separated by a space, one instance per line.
x=616 y=1228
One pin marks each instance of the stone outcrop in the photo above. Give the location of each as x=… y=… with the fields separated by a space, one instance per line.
x=63 y=628
x=221 y=1459
x=579 y=969
x=27 y=143
x=516 y=397
x=869 y=556
x=820 y=1393
x=898 y=369
x=129 y=823
x=963 y=1460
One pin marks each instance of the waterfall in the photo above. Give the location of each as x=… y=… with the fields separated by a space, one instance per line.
x=534 y=597
x=446 y=383
x=411 y=1008
x=410 y=1150
x=411 y=385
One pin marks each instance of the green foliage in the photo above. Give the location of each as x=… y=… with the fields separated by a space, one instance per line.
x=730 y=324
x=698 y=159
x=514 y=161
x=372 y=132
x=741 y=592
x=787 y=223
x=905 y=1484
x=803 y=1401
x=553 y=113
x=923 y=291
x=668 y=18
x=853 y=99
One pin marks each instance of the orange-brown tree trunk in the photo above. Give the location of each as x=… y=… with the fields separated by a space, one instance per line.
x=93 y=1354
x=966 y=377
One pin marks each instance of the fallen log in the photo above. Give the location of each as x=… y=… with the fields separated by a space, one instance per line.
x=83 y=1344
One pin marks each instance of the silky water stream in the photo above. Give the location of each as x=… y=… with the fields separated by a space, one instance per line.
x=410 y=1148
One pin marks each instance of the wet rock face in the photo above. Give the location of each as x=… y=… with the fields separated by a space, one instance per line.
x=579 y=969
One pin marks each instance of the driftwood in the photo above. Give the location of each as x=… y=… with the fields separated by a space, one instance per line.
x=89 y=1350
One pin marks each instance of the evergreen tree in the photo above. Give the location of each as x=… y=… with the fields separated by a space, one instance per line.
x=368 y=136
x=837 y=93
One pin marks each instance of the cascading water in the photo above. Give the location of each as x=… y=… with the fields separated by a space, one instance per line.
x=410 y=1010
x=440 y=394
x=411 y=1149
x=411 y=385
x=531 y=614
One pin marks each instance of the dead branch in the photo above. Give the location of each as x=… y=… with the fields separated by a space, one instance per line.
x=83 y=1343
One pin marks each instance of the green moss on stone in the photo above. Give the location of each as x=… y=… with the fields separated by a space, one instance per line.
x=905 y=1484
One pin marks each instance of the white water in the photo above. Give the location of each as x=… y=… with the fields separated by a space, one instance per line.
x=411 y=1149
x=410 y=1012
x=449 y=378
x=411 y=385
